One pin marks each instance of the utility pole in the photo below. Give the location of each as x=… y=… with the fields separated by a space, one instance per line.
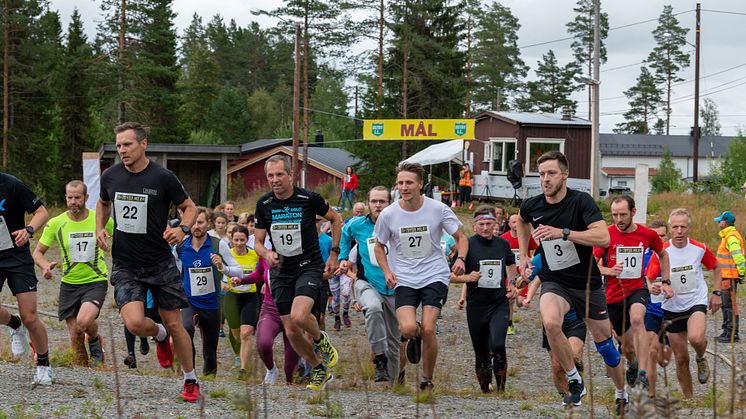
x=381 y=23
x=120 y=61
x=354 y=121
x=6 y=82
x=695 y=160
x=595 y=85
x=296 y=104
x=306 y=53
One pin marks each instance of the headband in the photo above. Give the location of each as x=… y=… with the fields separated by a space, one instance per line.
x=481 y=217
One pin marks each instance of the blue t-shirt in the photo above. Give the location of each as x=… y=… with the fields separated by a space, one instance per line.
x=360 y=229
x=325 y=243
x=199 y=259
x=653 y=309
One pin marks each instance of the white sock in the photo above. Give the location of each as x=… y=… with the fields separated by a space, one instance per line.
x=162 y=334
x=621 y=394
x=190 y=375
x=573 y=374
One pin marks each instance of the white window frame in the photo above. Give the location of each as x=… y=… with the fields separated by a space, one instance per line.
x=529 y=141
x=493 y=140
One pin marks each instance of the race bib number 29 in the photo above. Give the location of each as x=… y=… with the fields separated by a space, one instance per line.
x=131 y=212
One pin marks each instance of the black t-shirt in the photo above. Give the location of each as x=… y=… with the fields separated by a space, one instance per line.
x=480 y=249
x=140 y=203
x=294 y=218
x=576 y=211
x=16 y=199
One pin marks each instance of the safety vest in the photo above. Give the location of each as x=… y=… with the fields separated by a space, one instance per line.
x=725 y=258
x=465 y=178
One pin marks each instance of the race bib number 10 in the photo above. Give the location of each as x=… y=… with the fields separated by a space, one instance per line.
x=131 y=212
x=631 y=260
x=415 y=242
x=286 y=238
x=560 y=254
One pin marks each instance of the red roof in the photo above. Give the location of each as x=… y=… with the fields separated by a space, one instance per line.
x=625 y=171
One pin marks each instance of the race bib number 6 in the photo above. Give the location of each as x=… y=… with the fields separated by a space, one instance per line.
x=415 y=242
x=631 y=260
x=286 y=238
x=560 y=254
x=684 y=279
x=131 y=212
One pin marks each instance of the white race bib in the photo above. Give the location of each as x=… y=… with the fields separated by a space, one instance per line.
x=202 y=281
x=245 y=287
x=443 y=246
x=82 y=246
x=6 y=241
x=684 y=279
x=415 y=241
x=492 y=274
x=371 y=242
x=286 y=238
x=560 y=254
x=517 y=255
x=131 y=211
x=631 y=259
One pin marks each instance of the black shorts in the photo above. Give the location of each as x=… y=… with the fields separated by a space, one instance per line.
x=576 y=298
x=163 y=280
x=679 y=325
x=242 y=309
x=286 y=287
x=72 y=297
x=321 y=303
x=575 y=328
x=433 y=295
x=619 y=312
x=21 y=278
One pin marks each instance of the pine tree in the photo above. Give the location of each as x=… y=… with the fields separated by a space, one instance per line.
x=644 y=102
x=668 y=58
x=330 y=103
x=710 y=117
x=668 y=177
x=553 y=88
x=582 y=29
x=498 y=67
x=262 y=114
x=228 y=117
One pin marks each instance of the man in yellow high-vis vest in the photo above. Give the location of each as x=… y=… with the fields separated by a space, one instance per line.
x=730 y=255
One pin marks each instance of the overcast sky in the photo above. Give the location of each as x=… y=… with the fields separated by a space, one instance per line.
x=544 y=20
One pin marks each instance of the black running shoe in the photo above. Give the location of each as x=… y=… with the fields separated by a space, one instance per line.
x=426 y=385
x=621 y=406
x=382 y=369
x=414 y=350
x=632 y=370
x=576 y=391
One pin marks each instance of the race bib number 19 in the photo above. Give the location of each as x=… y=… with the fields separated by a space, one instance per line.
x=131 y=212
x=631 y=260
x=415 y=242
x=82 y=247
x=560 y=254
x=286 y=238
x=6 y=242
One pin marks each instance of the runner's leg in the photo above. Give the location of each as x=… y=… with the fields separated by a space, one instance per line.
x=479 y=331
x=601 y=331
x=209 y=327
x=182 y=346
x=301 y=320
x=552 y=309
x=77 y=341
x=681 y=354
x=188 y=315
x=429 y=340
x=498 y=329
x=639 y=335
x=86 y=319
x=29 y=317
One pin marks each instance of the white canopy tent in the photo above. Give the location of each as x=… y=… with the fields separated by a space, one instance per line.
x=444 y=152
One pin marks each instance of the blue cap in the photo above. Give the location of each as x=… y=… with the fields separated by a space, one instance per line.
x=726 y=216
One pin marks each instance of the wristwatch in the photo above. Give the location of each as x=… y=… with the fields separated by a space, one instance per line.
x=30 y=230
x=187 y=231
x=336 y=250
x=462 y=258
x=565 y=233
x=666 y=281
x=717 y=292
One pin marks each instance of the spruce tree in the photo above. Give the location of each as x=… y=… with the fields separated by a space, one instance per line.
x=553 y=88
x=644 y=103
x=710 y=117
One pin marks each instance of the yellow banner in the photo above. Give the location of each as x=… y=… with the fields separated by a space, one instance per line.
x=418 y=129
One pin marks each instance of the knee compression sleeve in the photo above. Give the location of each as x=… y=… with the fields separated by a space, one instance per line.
x=609 y=352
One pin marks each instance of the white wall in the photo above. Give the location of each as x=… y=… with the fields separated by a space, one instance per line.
x=684 y=164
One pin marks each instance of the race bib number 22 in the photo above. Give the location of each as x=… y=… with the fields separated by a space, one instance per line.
x=131 y=212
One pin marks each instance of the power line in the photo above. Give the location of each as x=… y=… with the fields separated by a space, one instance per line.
x=725 y=12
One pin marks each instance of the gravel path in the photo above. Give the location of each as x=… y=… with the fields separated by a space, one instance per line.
x=153 y=392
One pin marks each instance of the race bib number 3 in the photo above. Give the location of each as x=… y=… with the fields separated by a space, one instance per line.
x=6 y=241
x=82 y=247
x=131 y=212
x=631 y=260
x=201 y=280
x=415 y=241
x=684 y=279
x=492 y=274
x=560 y=254
x=286 y=238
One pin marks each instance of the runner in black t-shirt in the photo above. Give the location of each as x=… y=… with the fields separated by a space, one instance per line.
x=289 y=215
x=17 y=267
x=489 y=270
x=140 y=193
x=569 y=224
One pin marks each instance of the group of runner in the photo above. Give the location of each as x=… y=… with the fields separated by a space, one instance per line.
x=620 y=282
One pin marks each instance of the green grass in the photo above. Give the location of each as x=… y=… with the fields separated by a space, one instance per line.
x=218 y=393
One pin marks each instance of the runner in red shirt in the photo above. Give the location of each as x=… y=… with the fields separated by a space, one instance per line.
x=512 y=237
x=626 y=294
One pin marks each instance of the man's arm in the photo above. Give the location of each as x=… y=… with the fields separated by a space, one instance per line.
x=37 y=222
x=332 y=263
x=462 y=246
x=174 y=235
x=596 y=235
x=734 y=247
x=523 y=236
x=42 y=262
x=103 y=212
x=665 y=265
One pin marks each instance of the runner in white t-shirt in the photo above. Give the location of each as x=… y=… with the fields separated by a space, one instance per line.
x=685 y=308
x=411 y=228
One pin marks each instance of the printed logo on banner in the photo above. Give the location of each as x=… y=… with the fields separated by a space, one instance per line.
x=377 y=129
x=460 y=128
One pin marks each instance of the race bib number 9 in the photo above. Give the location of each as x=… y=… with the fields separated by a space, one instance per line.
x=684 y=279
x=415 y=242
x=6 y=242
x=631 y=260
x=201 y=280
x=131 y=212
x=560 y=254
x=82 y=247
x=492 y=274
x=286 y=238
